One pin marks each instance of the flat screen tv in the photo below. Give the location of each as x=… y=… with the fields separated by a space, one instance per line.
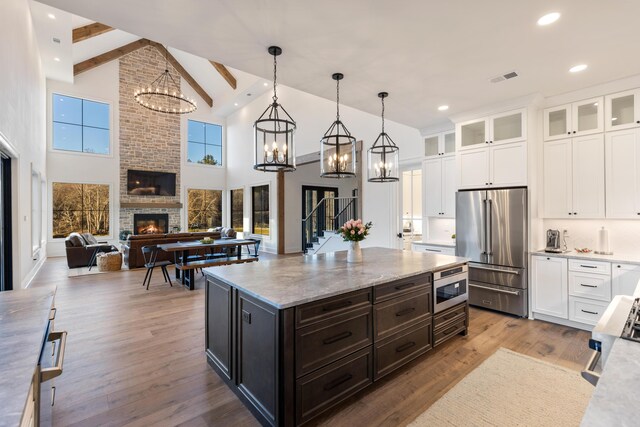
x=147 y=183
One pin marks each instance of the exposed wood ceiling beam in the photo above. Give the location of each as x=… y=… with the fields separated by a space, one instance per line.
x=183 y=73
x=96 y=61
x=83 y=33
x=224 y=72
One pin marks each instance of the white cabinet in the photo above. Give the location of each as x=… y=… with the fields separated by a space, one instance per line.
x=585 y=310
x=497 y=129
x=574 y=178
x=433 y=249
x=502 y=165
x=440 y=187
x=440 y=144
x=624 y=279
x=550 y=286
x=622 y=110
x=622 y=163
x=579 y=118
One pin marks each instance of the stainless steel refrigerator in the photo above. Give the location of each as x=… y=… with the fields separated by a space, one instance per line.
x=491 y=230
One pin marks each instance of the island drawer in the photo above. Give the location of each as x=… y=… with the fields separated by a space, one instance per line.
x=451 y=315
x=399 y=349
x=319 y=310
x=328 y=386
x=394 y=315
x=324 y=342
x=442 y=334
x=401 y=287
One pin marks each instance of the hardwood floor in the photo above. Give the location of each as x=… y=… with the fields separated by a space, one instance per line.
x=136 y=358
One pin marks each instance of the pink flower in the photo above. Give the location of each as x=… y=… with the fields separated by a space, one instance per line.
x=360 y=232
x=353 y=232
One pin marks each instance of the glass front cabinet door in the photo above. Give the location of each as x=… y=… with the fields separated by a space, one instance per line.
x=449 y=142
x=432 y=146
x=473 y=134
x=587 y=116
x=622 y=110
x=557 y=122
x=507 y=127
x=440 y=144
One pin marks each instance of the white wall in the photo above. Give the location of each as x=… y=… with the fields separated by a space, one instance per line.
x=22 y=118
x=313 y=116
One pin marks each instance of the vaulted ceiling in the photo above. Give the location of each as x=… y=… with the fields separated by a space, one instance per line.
x=424 y=52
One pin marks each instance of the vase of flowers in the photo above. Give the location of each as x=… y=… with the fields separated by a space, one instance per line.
x=354 y=231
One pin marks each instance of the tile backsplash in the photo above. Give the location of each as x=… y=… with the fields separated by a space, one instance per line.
x=439 y=229
x=624 y=235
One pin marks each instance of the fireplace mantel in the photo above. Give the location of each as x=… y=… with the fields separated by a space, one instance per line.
x=135 y=205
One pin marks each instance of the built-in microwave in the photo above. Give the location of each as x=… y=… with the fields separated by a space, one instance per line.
x=450 y=287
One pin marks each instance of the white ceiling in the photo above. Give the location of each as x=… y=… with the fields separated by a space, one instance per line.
x=424 y=52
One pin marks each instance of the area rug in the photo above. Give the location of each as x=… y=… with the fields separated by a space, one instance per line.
x=511 y=389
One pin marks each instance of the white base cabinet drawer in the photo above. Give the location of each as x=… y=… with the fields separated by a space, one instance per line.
x=586 y=310
x=588 y=285
x=595 y=267
x=433 y=249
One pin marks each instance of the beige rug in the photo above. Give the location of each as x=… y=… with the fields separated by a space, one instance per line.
x=511 y=389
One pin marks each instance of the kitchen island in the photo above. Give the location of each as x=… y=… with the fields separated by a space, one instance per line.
x=295 y=336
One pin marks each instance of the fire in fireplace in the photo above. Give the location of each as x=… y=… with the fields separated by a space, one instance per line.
x=150 y=223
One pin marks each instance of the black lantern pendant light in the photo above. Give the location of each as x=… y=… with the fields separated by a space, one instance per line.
x=338 y=147
x=382 y=157
x=273 y=132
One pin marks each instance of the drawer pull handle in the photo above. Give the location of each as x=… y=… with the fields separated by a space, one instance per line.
x=432 y=250
x=449 y=316
x=405 y=286
x=450 y=330
x=336 y=338
x=589 y=266
x=52 y=313
x=588 y=312
x=336 y=306
x=405 y=312
x=588 y=286
x=335 y=383
x=50 y=373
x=405 y=346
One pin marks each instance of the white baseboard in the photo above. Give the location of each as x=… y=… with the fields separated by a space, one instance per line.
x=564 y=322
x=32 y=274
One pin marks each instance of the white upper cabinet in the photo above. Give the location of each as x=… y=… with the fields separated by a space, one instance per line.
x=440 y=144
x=497 y=129
x=574 y=178
x=622 y=163
x=440 y=187
x=622 y=110
x=579 y=118
x=498 y=166
x=473 y=168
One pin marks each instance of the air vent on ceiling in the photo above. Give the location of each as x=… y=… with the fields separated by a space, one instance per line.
x=504 y=77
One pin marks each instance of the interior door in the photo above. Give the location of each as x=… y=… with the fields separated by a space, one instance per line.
x=470 y=225
x=507 y=227
x=6 y=258
x=322 y=215
x=411 y=203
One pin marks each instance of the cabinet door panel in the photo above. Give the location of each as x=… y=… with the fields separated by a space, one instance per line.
x=588 y=117
x=474 y=168
x=219 y=329
x=432 y=146
x=432 y=171
x=508 y=127
x=550 y=286
x=624 y=279
x=508 y=165
x=622 y=152
x=621 y=110
x=449 y=187
x=449 y=143
x=473 y=134
x=557 y=179
x=557 y=122
x=588 y=177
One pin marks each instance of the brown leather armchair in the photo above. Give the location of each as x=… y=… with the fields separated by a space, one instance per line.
x=133 y=247
x=81 y=247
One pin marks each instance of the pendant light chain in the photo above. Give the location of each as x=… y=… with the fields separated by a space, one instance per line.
x=383 y=114
x=338 y=100
x=275 y=79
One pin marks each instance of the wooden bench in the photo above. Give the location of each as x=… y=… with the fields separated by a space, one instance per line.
x=189 y=267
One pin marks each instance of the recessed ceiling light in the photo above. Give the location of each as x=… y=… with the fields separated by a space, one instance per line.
x=613 y=119
x=235 y=103
x=578 y=68
x=56 y=59
x=266 y=84
x=51 y=16
x=549 y=18
x=443 y=108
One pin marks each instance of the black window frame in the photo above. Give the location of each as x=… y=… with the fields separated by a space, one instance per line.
x=262 y=193
x=189 y=210
x=219 y=163
x=236 y=217
x=81 y=209
x=82 y=125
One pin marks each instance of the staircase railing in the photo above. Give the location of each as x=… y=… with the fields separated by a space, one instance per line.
x=328 y=215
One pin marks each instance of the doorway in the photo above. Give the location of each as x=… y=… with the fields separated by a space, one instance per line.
x=411 y=204
x=322 y=218
x=6 y=260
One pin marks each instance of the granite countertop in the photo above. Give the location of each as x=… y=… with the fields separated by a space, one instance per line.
x=615 y=398
x=288 y=282
x=24 y=315
x=622 y=258
x=451 y=243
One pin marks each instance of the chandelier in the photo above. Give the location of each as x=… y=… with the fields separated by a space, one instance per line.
x=337 y=146
x=163 y=94
x=382 y=157
x=274 y=132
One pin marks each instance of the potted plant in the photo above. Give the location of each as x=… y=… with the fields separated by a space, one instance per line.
x=354 y=231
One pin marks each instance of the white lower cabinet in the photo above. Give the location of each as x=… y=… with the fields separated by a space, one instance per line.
x=433 y=249
x=585 y=310
x=588 y=285
x=624 y=279
x=550 y=286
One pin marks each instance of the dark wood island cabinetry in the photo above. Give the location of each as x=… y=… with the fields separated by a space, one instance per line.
x=292 y=355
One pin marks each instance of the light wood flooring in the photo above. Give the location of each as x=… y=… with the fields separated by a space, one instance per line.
x=136 y=358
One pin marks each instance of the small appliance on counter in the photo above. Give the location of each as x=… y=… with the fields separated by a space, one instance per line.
x=553 y=242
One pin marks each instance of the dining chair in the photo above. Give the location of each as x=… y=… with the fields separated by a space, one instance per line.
x=256 y=247
x=150 y=255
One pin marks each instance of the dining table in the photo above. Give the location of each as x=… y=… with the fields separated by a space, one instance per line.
x=185 y=267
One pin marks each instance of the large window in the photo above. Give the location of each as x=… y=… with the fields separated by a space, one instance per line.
x=237 y=215
x=83 y=208
x=80 y=125
x=204 y=209
x=204 y=143
x=260 y=210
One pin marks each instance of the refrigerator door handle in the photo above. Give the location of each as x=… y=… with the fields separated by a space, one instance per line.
x=484 y=239
x=489 y=227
